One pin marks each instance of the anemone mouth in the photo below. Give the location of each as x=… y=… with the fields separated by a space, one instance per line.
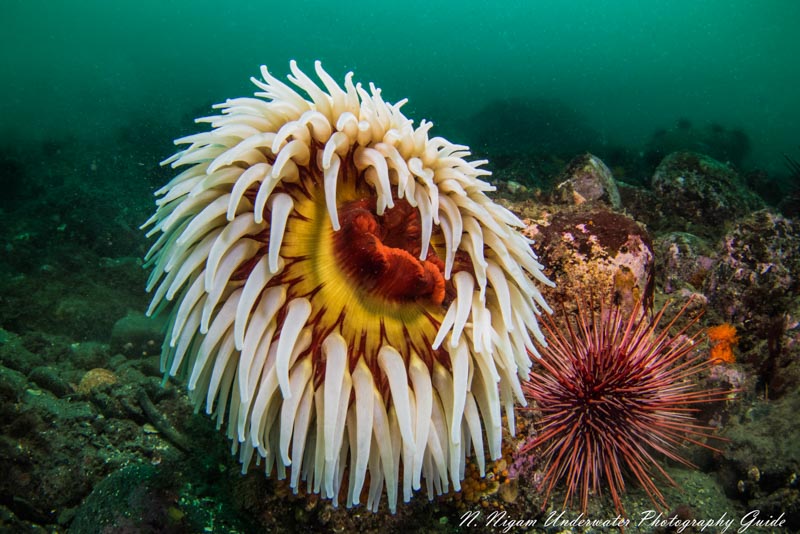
x=365 y=280
x=343 y=293
x=379 y=253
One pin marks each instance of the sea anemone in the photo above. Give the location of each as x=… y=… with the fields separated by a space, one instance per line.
x=615 y=393
x=343 y=290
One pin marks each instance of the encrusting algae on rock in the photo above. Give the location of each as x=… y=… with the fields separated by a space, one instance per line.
x=95 y=378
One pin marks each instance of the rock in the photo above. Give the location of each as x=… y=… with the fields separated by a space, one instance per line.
x=96 y=378
x=515 y=188
x=134 y=495
x=170 y=498
x=761 y=460
x=684 y=261
x=594 y=251
x=587 y=179
x=638 y=202
x=77 y=314
x=755 y=278
x=696 y=194
x=754 y=287
x=51 y=408
x=716 y=140
x=89 y=354
x=49 y=378
x=45 y=457
x=136 y=335
x=12 y=384
x=15 y=355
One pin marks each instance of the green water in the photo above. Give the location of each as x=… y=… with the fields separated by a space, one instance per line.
x=83 y=69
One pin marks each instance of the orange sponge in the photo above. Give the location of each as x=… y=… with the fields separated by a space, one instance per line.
x=723 y=338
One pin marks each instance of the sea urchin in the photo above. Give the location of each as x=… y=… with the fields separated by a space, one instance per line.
x=614 y=393
x=344 y=291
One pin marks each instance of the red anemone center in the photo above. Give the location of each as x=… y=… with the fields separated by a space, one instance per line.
x=381 y=252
